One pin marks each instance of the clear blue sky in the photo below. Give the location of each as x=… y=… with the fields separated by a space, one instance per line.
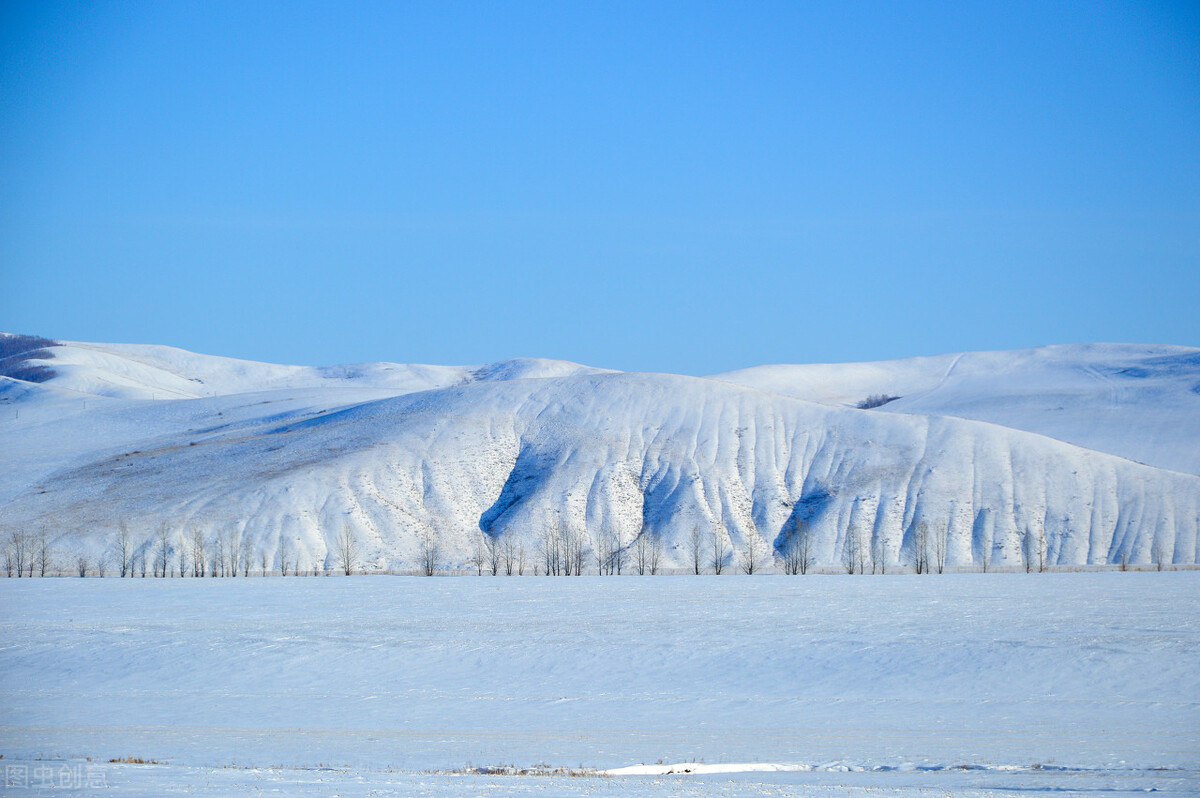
x=689 y=187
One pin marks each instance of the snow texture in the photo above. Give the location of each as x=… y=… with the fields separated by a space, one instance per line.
x=144 y=435
x=898 y=684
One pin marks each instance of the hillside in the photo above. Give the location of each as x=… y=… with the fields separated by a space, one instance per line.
x=402 y=453
x=1136 y=401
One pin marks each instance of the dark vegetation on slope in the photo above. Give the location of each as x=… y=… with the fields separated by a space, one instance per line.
x=875 y=400
x=16 y=352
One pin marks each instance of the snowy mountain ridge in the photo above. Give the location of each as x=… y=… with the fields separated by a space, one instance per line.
x=145 y=435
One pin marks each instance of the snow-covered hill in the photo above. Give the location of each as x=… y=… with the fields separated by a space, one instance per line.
x=399 y=453
x=1136 y=401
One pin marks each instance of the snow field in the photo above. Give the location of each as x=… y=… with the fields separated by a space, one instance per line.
x=900 y=683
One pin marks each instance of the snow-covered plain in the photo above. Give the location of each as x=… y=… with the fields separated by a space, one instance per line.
x=146 y=436
x=965 y=684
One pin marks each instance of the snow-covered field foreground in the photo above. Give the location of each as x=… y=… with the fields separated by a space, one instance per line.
x=871 y=685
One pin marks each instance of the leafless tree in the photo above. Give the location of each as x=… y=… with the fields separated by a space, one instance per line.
x=618 y=551
x=753 y=556
x=696 y=548
x=576 y=554
x=42 y=553
x=509 y=544
x=429 y=553
x=852 y=555
x=10 y=560
x=521 y=558
x=264 y=562
x=879 y=554
x=495 y=553
x=247 y=555
x=81 y=565
x=641 y=552
x=1158 y=553
x=549 y=549
x=656 y=553
x=602 y=551
x=123 y=550
x=222 y=555
x=163 y=549
x=347 y=550
x=233 y=549
x=18 y=545
x=141 y=558
x=1033 y=548
x=797 y=547
x=199 y=558
x=479 y=555
x=182 y=555
x=284 y=560
x=101 y=565
x=920 y=548
x=939 y=547
x=720 y=548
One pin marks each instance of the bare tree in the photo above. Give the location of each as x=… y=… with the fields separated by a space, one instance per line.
x=429 y=553
x=183 y=563
x=163 y=549
x=797 y=547
x=521 y=558
x=879 y=554
x=264 y=562
x=199 y=558
x=1124 y=561
x=618 y=551
x=509 y=544
x=42 y=553
x=696 y=548
x=850 y=551
x=939 y=547
x=1033 y=548
x=10 y=559
x=753 y=555
x=221 y=555
x=123 y=550
x=101 y=565
x=347 y=550
x=284 y=561
x=920 y=548
x=576 y=555
x=549 y=549
x=479 y=555
x=141 y=557
x=495 y=553
x=1158 y=553
x=233 y=549
x=602 y=551
x=656 y=552
x=247 y=555
x=720 y=548
x=641 y=552
x=81 y=565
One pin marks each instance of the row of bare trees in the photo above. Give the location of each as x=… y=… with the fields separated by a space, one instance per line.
x=561 y=550
x=26 y=554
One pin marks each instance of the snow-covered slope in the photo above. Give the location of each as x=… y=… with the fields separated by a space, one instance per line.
x=271 y=453
x=1137 y=401
x=129 y=371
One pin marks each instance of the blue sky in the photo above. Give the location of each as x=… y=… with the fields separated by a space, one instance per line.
x=689 y=187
